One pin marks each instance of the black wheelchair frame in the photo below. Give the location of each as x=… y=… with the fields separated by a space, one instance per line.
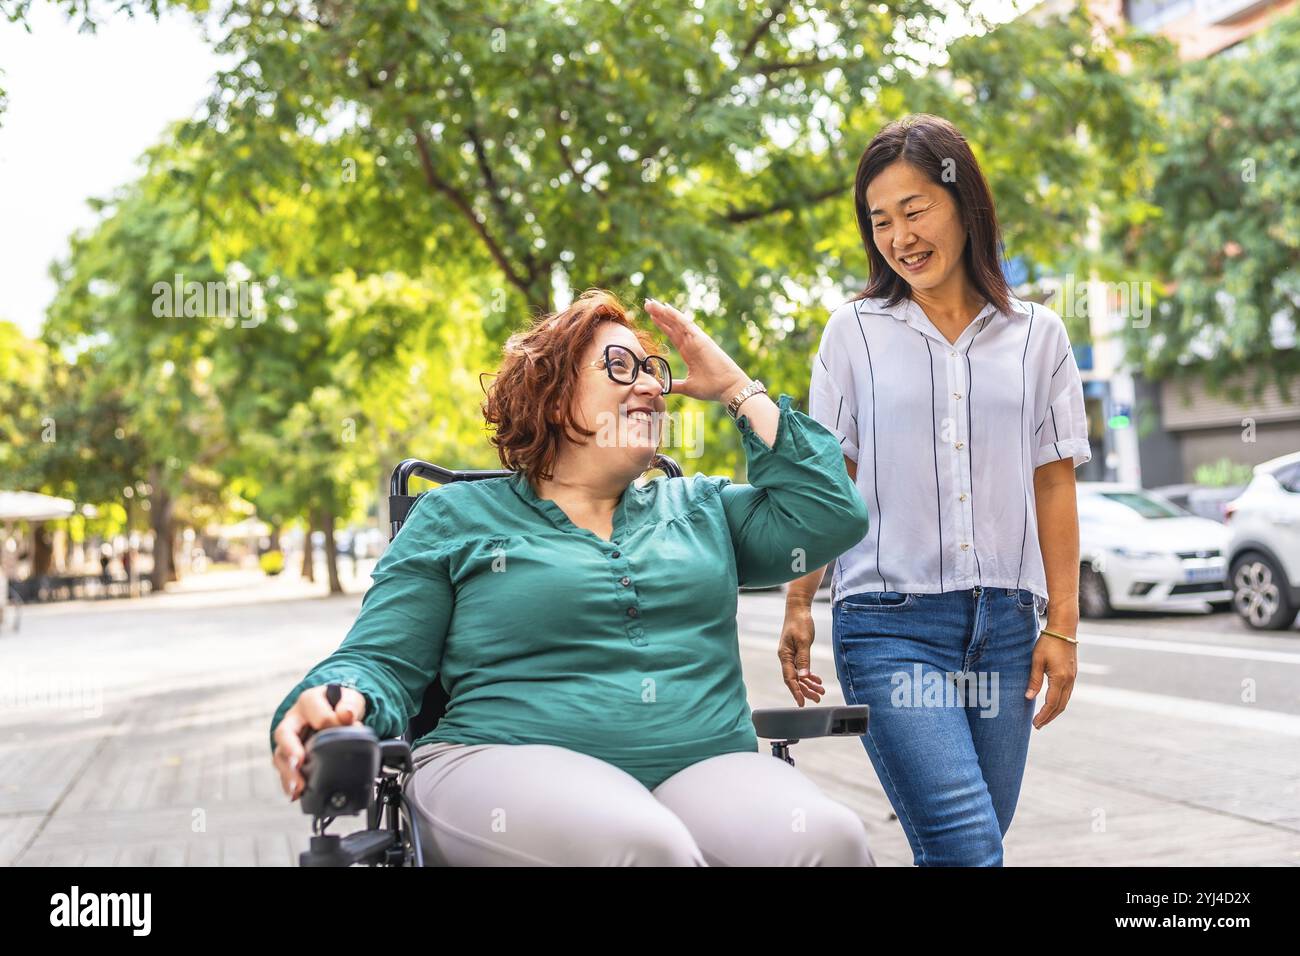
x=349 y=770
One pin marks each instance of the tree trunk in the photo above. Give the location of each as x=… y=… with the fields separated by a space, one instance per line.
x=160 y=520
x=42 y=550
x=308 y=565
x=175 y=537
x=325 y=517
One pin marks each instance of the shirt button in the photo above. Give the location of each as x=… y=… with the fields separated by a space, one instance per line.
x=956 y=394
x=952 y=353
x=625 y=581
x=616 y=554
x=632 y=612
x=962 y=496
x=964 y=545
x=959 y=445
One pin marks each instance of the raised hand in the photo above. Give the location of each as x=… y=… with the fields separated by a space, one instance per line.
x=711 y=374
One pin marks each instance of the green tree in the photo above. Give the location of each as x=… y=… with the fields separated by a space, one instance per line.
x=1226 y=244
x=106 y=318
x=701 y=153
x=409 y=181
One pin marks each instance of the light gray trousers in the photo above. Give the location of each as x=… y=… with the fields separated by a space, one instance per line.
x=541 y=805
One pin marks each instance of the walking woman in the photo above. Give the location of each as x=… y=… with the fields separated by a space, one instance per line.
x=960 y=414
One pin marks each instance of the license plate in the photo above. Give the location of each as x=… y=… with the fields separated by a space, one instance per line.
x=1199 y=575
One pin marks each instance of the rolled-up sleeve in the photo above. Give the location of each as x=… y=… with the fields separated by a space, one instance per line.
x=394 y=648
x=800 y=510
x=831 y=395
x=1063 y=430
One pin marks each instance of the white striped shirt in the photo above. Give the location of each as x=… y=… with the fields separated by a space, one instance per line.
x=946 y=437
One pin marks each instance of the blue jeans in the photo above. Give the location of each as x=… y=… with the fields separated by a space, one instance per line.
x=945 y=677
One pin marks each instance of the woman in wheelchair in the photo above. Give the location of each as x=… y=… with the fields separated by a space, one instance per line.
x=583 y=625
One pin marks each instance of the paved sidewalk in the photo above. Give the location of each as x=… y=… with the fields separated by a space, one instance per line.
x=150 y=744
x=135 y=733
x=1119 y=779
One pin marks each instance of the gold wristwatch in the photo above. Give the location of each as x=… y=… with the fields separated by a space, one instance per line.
x=753 y=388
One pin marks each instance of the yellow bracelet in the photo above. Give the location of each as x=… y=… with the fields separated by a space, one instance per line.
x=1072 y=640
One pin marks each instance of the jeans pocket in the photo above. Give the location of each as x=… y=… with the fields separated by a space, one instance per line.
x=878 y=600
x=1026 y=600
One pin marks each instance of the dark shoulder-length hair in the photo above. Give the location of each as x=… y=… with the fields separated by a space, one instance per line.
x=937 y=148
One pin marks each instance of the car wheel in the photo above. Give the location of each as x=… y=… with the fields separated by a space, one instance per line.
x=1094 y=597
x=1260 y=594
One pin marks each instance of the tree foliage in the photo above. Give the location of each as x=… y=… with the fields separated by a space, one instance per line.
x=405 y=183
x=1225 y=247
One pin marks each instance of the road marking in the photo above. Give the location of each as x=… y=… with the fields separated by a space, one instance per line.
x=1164 y=705
x=1159 y=624
x=822 y=653
x=1185 y=708
x=1195 y=649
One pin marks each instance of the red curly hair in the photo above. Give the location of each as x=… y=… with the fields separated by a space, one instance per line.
x=539 y=372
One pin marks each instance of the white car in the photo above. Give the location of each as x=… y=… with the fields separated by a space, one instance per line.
x=1138 y=551
x=1264 y=547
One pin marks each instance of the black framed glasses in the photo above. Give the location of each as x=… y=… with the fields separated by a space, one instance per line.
x=623 y=366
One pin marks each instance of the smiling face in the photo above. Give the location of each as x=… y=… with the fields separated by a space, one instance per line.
x=627 y=419
x=917 y=227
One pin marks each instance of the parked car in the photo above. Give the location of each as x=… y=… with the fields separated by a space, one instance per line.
x=1139 y=551
x=1264 y=546
x=1208 y=502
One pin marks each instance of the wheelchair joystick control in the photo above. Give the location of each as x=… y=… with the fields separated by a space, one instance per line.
x=340 y=769
x=333 y=694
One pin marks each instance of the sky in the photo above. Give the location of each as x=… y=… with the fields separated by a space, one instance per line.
x=82 y=110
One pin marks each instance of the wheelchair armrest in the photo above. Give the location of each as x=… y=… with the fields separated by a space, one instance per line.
x=799 y=723
x=395 y=754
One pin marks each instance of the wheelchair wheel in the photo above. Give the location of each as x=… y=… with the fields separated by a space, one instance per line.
x=409 y=833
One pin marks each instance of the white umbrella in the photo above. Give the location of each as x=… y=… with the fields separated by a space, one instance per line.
x=31 y=506
x=27 y=506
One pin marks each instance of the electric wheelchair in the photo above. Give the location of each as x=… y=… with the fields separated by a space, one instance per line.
x=348 y=770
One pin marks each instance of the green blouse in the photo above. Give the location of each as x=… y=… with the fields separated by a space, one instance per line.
x=545 y=633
